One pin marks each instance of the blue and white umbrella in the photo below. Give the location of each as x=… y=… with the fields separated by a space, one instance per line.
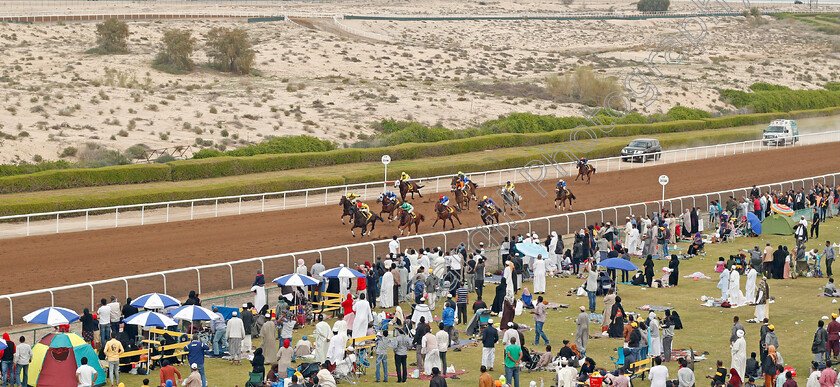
x=619 y=264
x=150 y=319
x=52 y=316
x=295 y=280
x=193 y=313
x=155 y=301
x=342 y=272
x=532 y=249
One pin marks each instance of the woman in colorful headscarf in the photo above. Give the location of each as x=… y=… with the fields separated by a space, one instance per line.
x=769 y=366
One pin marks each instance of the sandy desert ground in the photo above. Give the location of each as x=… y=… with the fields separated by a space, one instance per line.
x=333 y=85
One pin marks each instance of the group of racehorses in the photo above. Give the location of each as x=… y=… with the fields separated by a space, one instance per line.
x=463 y=195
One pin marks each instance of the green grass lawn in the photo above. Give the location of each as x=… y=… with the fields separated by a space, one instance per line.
x=795 y=314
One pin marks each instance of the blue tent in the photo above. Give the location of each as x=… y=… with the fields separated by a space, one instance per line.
x=755 y=224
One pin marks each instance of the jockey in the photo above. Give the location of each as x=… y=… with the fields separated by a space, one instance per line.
x=391 y=196
x=461 y=181
x=444 y=200
x=509 y=187
x=363 y=208
x=561 y=185
x=407 y=207
x=351 y=197
x=488 y=202
x=404 y=177
x=584 y=161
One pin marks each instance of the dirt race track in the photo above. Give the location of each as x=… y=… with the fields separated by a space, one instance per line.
x=39 y=262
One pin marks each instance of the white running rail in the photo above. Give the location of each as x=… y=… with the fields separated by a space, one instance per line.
x=179 y=210
x=191 y=277
x=359 y=32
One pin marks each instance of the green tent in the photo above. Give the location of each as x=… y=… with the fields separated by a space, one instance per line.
x=777 y=224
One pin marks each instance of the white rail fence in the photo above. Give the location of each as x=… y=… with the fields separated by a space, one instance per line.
x=180 y=210
x=359 y=32
x=230 y=275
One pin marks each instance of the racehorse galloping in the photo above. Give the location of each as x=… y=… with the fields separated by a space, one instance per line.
x=445 y=213
x=585 y=171
x=562 y=196
x=471 y=188
x=406 y=221
x=388 y=206
x=408 y=187
x=348 y=208
x=488 y=214
x=361 y=221
x=462 y=201
x=510 y=199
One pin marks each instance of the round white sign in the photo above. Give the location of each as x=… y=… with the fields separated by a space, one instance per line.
x=386 y=159
x=663 y=179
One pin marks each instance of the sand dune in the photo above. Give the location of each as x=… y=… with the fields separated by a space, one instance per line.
x=314 y=79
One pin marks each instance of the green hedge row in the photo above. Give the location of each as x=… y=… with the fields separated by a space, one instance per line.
x=70 y=178
x=781 y=100
x=233 y=166
x=421 y=168
x=106 y=199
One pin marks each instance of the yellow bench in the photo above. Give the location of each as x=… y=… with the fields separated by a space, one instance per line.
x=139 y=352
x=638 y=369
x=363 y=342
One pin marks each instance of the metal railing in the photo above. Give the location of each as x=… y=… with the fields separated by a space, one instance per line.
x=222 y=276
x=359 y=32
x=189 y=209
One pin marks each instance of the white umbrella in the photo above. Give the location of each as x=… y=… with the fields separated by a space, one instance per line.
x=150 y=319
x=194 y=313
x=155 y=301
x=52 y=316
x=295 y=280
x=342 y=272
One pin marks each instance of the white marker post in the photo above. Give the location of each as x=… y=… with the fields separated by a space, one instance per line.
x=385 y=161
x=663 y=180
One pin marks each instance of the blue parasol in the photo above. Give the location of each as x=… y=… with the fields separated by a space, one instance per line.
x=618 y=264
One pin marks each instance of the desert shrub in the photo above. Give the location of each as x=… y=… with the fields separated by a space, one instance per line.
x=70 y=151
x=96 y=156
x=290 y=144
x=685 y=113
x=164 y=159
x=177 y=46
x=653 y=5
x=581 y=86
x=111 y=37
x=136 y=151
x=763 y=86
x=230 y=50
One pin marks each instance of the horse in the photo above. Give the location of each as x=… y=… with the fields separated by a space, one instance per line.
x=585 y=171
x=488 y=214
x=462 y=201
x=361 y=221
x=470 y=187
x=388 y=206
x=406 y=221
x=408 y=187
x=562 y=196
x=445 y=213
x=348 y=208
x=512 y=199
